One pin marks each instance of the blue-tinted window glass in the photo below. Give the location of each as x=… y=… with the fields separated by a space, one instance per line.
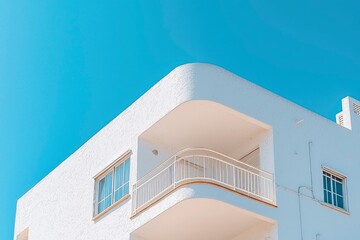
x=333 y=190
x=105 y=192
x=339 y=188
x=122 y=173
x=340 y=201
x=113 y=186
x=329 y=198
x=101 y=189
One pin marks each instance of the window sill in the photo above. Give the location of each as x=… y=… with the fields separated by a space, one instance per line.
x=341 y=210
x=98 y=216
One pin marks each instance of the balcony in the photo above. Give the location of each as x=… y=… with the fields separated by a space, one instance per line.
x=201 y=171
x=200 y=165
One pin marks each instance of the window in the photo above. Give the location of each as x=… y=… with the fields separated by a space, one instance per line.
x=112 y=185
x=24 y=235
x=334 y=189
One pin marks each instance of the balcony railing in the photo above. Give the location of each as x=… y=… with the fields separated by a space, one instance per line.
x=206 y=166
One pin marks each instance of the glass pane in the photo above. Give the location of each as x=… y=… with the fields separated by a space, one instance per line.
x=127 y=170
x=105 y=193
x=126 y=188
x=101 y=194
x=101 y=207
x=325 y=196
x=340 y=201
x=108 y=184
x=328 y=185
x=339 y=188
x=329 y=197
x=119 y=172
x=108 y=201
x=333 y=182
x=324 y=182
x=118 y=194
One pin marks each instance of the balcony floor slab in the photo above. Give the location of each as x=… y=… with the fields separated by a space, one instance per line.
x=200 y=219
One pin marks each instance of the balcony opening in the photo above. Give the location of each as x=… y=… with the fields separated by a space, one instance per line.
x=205 y=141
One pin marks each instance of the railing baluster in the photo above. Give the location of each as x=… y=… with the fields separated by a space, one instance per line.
x=244 y=178
x=174 y=180
x=234 y=178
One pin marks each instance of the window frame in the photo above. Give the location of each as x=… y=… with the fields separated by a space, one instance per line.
x=333 y=192
x=23 y=235
x=98 y=177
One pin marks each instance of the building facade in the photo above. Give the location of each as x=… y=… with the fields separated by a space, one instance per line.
x=205 y=155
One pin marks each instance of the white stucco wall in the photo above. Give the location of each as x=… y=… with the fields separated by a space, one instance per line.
x=61 y=205
x=261 y=231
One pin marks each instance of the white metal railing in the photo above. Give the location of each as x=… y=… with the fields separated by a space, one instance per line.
x=202 y=165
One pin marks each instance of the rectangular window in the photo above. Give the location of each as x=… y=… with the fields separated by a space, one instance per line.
x=112 y=185
x=334 y=189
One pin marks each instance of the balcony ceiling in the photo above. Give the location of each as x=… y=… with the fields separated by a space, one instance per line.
x=204 y=124
x=200 y=219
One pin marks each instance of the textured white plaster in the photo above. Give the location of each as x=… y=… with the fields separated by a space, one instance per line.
x=263 y=231
x=61 y=205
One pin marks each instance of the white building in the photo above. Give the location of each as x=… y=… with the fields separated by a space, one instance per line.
x=205 y=155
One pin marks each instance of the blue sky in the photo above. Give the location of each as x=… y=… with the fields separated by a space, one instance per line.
x=68 y=67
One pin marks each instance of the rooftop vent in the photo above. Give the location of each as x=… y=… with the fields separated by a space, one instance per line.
x=340 y=119
x=356 y=108
x=348 y=117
